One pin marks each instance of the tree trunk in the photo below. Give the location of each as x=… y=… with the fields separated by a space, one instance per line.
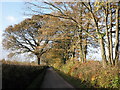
x=38 y=58
x=85 y=46
x=85 y=53
x=64 y=60
x=101 y=41
x=100 y=36
x=81 y=45
x=111 y=45
x=80 y=35
x=85 y=50
x=117 y=36
x=81 y=53
x=107 y=35
x=102 y=47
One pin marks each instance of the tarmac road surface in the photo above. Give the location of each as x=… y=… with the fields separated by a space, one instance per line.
x=54 y=80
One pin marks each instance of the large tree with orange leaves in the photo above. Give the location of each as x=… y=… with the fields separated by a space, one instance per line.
x=31 y=35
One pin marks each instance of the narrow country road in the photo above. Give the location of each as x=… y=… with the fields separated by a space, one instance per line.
x=53 y=80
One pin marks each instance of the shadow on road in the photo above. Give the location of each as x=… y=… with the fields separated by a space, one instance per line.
x=54 y=80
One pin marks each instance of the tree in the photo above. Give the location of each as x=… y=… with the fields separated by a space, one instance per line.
x=90 y=23
x=100 y=35
x=29 y=36
x=65 y=13
x=117 y=33
x=105 y=30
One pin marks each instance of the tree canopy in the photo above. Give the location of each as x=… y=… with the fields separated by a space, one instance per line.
x=70 y=27
x=31 y=35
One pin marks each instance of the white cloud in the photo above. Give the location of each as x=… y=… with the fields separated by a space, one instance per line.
x=25 y=17
x=11 y=19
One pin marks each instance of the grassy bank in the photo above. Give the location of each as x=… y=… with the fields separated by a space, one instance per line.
x=21 y=76
x=75 y=82
x=89 y=75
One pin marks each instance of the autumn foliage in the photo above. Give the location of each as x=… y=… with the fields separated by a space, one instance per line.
x=91 y=72
x=63 y=38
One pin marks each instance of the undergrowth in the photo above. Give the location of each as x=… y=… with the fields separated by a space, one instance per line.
x=90 y=74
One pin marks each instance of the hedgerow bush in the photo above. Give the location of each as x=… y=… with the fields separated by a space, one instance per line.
x=92 y=72
x=19 y=76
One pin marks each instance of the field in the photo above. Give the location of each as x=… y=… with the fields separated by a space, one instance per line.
x=21 y=76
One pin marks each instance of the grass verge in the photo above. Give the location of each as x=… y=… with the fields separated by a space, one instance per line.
x=75 y=82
